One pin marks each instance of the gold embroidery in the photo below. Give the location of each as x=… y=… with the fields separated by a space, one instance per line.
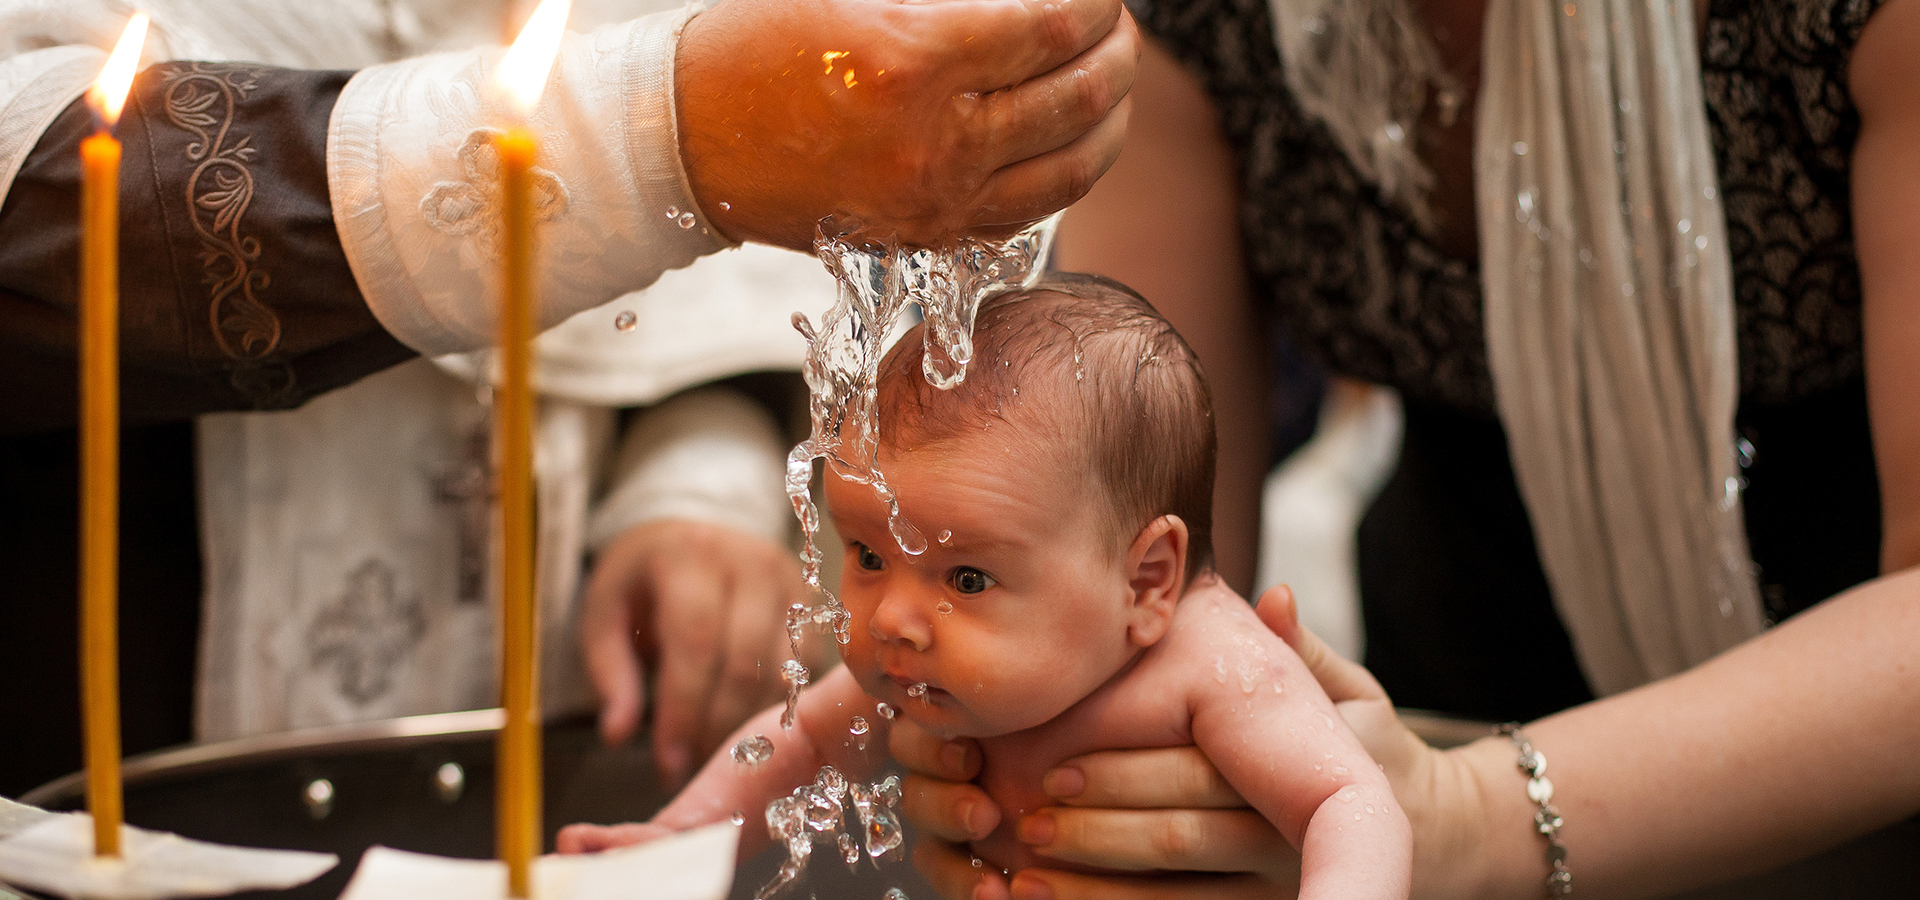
x=201 y=99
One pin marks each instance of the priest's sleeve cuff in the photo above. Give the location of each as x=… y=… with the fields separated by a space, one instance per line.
x=415 y=183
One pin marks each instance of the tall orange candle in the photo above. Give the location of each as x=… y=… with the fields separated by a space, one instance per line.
x=522 y=77
x=100 y=440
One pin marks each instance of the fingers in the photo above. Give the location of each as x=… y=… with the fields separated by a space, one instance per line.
x=1181 y=840
x=923 y=753
x=687 y=598
x=1051 y=110
x=1036 y=188
x=1046 y=884
x=1169 y=777
x=951 y=810
x=1343 y=680
x=999 y=43
x=606 y=639
x=949 y=868
x=754 y=645
x=584 y=838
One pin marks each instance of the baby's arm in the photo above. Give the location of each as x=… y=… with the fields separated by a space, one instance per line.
x=724 y=786
x=1275 y=736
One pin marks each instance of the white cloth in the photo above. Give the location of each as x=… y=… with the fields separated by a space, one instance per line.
x=332 y=534
x=692 y=865
x=54 y=854
x=1610 y=328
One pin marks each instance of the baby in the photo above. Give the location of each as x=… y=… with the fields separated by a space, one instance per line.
x=1066 y=490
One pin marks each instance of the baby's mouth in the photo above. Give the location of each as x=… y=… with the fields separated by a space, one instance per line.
x=919 y=691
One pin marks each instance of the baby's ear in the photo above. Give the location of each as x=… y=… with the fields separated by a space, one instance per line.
x=1156 y=576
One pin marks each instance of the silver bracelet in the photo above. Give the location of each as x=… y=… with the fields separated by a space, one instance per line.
x=1533 y=764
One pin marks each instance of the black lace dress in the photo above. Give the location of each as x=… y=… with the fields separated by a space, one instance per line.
x=1458 y=615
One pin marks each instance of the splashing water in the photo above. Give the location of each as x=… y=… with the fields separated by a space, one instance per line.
x=858 y=726
x=877 y=820
x=625 y=321
x=752 y=751
x=817 y=812
x=796 y=674
x=878 y=280
x=917 y=691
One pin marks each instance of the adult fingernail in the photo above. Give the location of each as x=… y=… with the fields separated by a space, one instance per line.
x=1027 y=887
x=1037 y=830
x=1064 y=783
x=978 y=819
x=954 y=757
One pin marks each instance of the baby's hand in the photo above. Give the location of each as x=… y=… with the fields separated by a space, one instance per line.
x=586 y=838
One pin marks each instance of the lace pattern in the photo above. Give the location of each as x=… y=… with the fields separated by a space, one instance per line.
x=1359 y=284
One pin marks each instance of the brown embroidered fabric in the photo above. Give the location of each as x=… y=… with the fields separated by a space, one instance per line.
x=235 y=293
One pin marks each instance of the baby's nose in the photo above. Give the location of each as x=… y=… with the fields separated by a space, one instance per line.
x=901 y=619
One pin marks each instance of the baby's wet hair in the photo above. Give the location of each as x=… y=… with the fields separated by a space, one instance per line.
x=1080 y=359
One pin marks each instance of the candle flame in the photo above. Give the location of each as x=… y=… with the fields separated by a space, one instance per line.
x=523 y=73
x=109 y=92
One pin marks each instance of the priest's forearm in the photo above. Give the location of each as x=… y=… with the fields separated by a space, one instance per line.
x=235 y=292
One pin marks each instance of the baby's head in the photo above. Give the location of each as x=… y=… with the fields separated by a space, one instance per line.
x=1065 y=489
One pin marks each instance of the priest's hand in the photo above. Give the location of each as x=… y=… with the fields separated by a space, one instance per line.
x=700 y=605
x=927 y=120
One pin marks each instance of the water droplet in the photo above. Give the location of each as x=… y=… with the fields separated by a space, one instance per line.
x=886 y=711
x=978 y=862
x=725 y=206
x=888 y=790
x=1700 y=242
x=917 y=691
x=1685 y=225
x=673 y=213
x=943 y=607
x=1341 y=770
x=858 y=725
x=849 y=851
x=1519 y=148
x=1369 y=809
x=738 y=818
x=685 y=220
x=1313 y=25
x=945 y=536
x=626 y=320
x=1356 y=817
x=895 y=893
x=1394 y=132
x=752 y=751
x=830 y=780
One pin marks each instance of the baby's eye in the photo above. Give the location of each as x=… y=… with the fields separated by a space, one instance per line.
x=969 y=580
x=868 y=559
